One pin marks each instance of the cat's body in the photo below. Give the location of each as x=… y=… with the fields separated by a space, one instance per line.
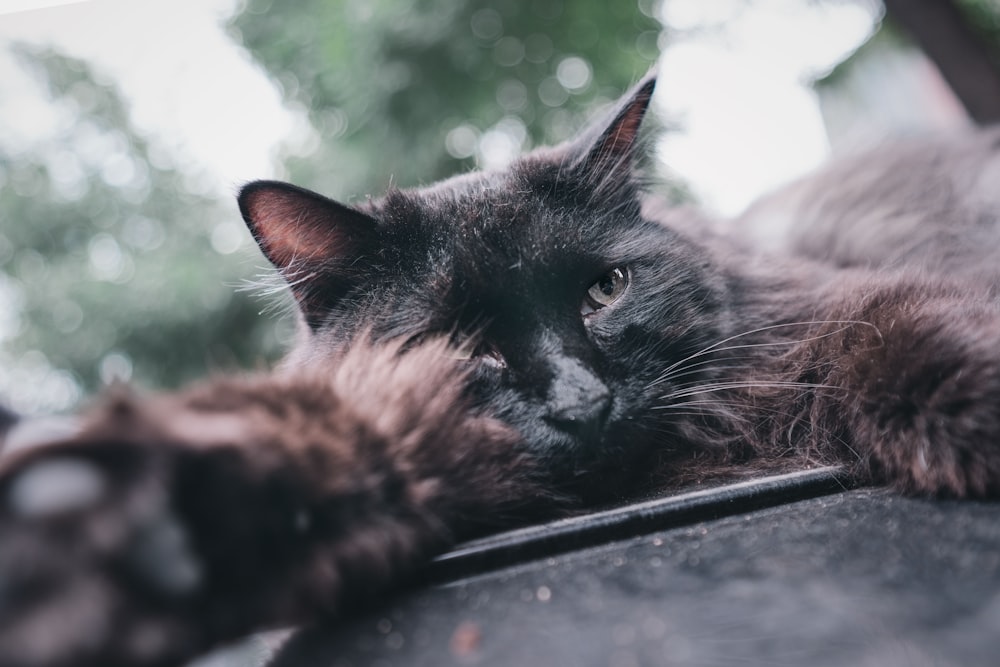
x=596 y=352
x=928 y=203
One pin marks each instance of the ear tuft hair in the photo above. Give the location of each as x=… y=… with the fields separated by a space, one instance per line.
x=295 y=226
x=606 y=154
x=313 y=241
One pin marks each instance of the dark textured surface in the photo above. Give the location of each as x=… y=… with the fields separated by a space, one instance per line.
x=639 y=518
x=859 y=578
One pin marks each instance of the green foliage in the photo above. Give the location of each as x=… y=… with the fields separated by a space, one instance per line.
x=416 y=91
x=110 y=254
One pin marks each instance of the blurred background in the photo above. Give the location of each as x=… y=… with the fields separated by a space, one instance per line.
x=127 y=126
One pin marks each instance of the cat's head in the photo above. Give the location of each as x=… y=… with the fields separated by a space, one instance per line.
x=565 y=301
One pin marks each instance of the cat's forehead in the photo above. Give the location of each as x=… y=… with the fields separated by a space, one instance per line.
x=493 y=217
x=474 y=239
x=474 y=202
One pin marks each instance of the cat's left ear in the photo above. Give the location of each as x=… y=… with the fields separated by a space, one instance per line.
x=317 y=244
x=605 y=155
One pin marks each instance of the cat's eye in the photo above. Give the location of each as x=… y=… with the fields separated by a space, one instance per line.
x=605 y=291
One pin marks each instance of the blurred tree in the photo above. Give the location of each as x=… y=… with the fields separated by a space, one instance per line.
x=80 y=211
x=412 y=92
x=960 y=36
x=888 y=87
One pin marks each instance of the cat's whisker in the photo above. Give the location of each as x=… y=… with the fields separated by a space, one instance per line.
x=715 y=403
x=720 y=346
x=694 y=371
x=712 y=405
x=691 y=414
x=699 y=367
x=741 y=377
x=702 y=413
x=747 y=384
x=794 y=445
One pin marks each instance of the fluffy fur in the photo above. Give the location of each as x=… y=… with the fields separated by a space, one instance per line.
x=499 y=348
x=246 y=502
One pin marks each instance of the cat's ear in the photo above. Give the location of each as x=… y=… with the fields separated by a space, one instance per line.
x=605 y=155
x=314 y=242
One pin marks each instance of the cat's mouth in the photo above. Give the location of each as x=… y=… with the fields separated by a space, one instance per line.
x=570 y=448
x=597 y=466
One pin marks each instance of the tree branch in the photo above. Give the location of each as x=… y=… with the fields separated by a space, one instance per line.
x=961 y=55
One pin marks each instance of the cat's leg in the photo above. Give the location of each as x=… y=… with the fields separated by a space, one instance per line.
x=913 y=387
x=170 y=524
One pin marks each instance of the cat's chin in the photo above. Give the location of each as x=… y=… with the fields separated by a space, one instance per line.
x=559 y=448
x=574 y=461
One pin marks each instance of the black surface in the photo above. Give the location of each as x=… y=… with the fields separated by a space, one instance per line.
x=517 y=546
x=856 y=578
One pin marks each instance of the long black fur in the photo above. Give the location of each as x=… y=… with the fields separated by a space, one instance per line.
x=503 y=347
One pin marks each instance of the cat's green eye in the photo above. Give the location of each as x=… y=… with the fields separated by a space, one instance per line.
x=605 y=291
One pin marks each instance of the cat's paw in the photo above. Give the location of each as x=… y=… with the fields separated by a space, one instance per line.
x=940 y=465
x=95 y=566
x=929 y=405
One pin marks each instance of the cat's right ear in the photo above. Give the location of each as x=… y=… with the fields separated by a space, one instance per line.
x=604 y=156
x=314 y=242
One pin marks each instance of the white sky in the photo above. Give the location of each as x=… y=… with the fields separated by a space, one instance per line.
x=749 y=123
x=185 y=79
x=749 y=120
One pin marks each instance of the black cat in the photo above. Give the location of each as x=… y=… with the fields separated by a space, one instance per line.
x=496 y=349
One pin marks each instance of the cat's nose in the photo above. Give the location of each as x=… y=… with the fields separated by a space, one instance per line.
x=579 y=401
x=584 y=418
